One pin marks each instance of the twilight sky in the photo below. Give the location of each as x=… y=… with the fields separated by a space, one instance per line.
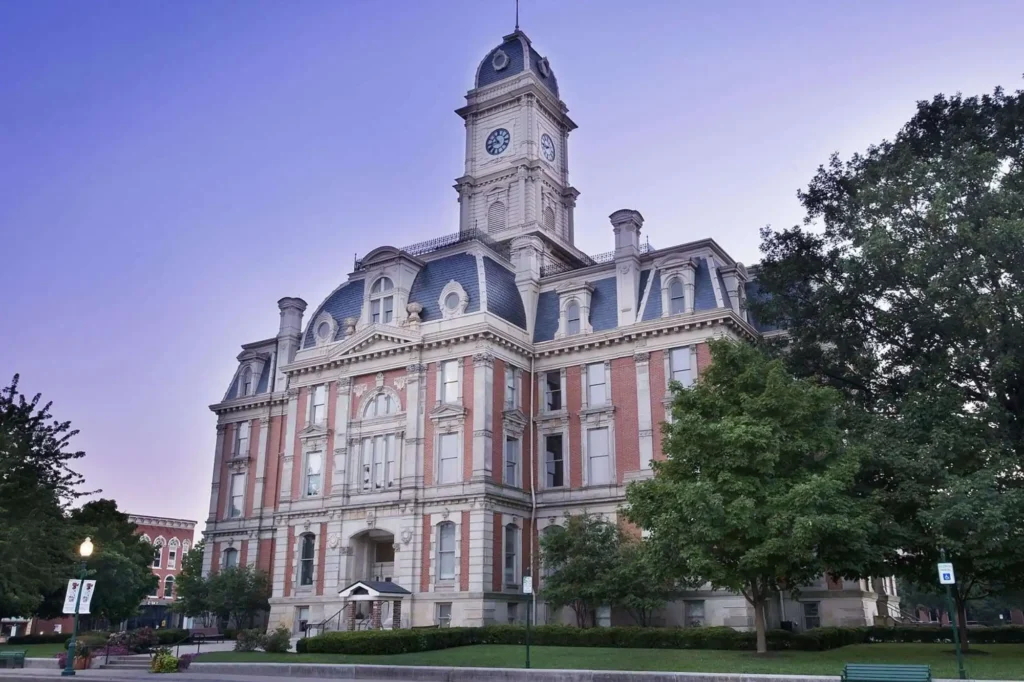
x=168 y=170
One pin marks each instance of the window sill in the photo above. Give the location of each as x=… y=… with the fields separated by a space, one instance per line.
x=444 y=585
x=608 y=408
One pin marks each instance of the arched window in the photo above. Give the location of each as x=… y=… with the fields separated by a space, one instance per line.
x=172 y=553
x=572 y=319
x=158 y=553
x=446 y=551
x=676 y=300
x=245 y=382
x=382 y=301
x=230 y=558
x=496 y=217
x=549 y=218
x=511 y=553
x=169 y=587
x=381 y=405
x=184 y=548
x=306 y=551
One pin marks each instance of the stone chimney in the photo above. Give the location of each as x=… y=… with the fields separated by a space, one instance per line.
x=289 y=335
x=527 y=256
x=626 y=224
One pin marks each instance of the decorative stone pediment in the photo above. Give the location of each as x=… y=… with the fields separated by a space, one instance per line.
x=448 y=411
x=377 y=340
x=313 y=431
x=515 y=416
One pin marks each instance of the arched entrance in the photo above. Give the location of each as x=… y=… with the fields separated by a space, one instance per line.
x=373 y=556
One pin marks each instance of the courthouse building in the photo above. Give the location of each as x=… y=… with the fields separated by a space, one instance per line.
x=451 y=401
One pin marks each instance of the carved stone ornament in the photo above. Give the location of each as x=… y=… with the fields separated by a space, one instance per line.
x=624 y=268
x=485 y=359
x=345 y=551
x=350 y=325
x=380 y=379
x=371 y=519
x=305 y=525
x=500 y=60
x=415 y=310
x=360 y=390
x=400 y=383
x=641 y=357
x=335 y=541
x=396 y=546
x=292 y=392
x=446 y=513
x=406 y=535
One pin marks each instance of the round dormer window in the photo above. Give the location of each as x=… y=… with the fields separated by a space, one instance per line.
x=500 y=60
x=542 y=66
x=324 y=330
x=451 y=301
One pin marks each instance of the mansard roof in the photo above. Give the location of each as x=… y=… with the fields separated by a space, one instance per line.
x=513 y=56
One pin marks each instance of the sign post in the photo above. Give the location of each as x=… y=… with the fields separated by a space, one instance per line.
x=528 y=589
x=79 y=595
x=947 y=577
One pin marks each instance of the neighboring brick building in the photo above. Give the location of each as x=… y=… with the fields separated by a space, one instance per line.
x=171 y=539
x=451 y=400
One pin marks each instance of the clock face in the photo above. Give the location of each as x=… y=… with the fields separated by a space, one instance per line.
x=547 y=146
x=497 y=141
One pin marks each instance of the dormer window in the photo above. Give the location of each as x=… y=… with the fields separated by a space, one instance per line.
x=245 y=382
x=382 y=301
x=677 y=299
x=453 y=300
x=572 y=319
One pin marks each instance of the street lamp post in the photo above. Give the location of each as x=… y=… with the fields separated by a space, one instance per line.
x=85 y=550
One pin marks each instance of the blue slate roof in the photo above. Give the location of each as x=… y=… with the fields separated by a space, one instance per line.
x=652 y=310
x=725 y=292
x=604 y=305
x=264 y=383
x=547 y=316
x=644 y=276
x=427 y=286
x=703 y=290
x=503 y=297
x=516 y=47
x=346 y=301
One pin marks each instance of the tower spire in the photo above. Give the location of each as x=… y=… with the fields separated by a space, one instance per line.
x=517 y=15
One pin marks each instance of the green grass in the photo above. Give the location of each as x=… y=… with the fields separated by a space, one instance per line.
x=1000 y=661
x=35 y=650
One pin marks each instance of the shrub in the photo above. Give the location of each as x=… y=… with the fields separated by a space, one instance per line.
x=163 y=662
x=184 y=661
x=300 y=646
x=276 y=642
x=39 y=639
x=248 y=640
x=171 y=636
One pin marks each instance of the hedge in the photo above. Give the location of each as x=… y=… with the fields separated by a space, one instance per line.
x=386 y=642
x=40 y=639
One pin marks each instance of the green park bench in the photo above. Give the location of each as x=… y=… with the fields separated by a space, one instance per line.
x=877 y=672
x=12 y=659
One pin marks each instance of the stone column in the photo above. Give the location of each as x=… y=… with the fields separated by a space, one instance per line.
x=643 y=408
x=396 y=614
x=412 y=450
x=289 y=442
x=218 y=458
x=350 y=616
x=342 y=412
x=483 y=414
x=375 y=615
x=261 y=464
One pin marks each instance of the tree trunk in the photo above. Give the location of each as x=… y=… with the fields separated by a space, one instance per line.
x=762 y=640
x=961 y=619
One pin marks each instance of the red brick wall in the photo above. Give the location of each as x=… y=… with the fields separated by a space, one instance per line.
x=428 y=427
x=215 y=558
x=332 y=407
x=224 y=492
x=250 y=483
x=425 y=560
x=272 y=469
x=526 y=538
x=496 y=556
x=497 y=427
x=529 y=440
x=574 y=402
x=464 y=556
x=321 y=559
x=657 y=375
x=154 y=531
x=467 y=433
x=627 y=429
x=243 y=553
x=703 y=357
x=296 y=445
x=265 y=557
x=289 y=557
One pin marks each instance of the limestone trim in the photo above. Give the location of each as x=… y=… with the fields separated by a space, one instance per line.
x=325 y=329
x=458 y=294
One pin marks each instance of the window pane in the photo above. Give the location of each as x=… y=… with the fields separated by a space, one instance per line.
x=676 y=300
x=597 y=456
x=553 y=391
x=572 y=317
x=157 y=556
x=449 y=375
x=314 y=468
x=449 y=460
x=447 y=537
x=389 y=460
x=451 y=301
x=510 y=387
x=447 y=568
x=389 y=304
x=444 y=614
x=511 y=461
x=511 y=544
x=596 y=394
x=375 y=311
x=554 y=462
x=367 y=461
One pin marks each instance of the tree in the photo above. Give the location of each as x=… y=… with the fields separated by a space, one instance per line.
x=757 y=492
x=239 y=594
x=191 y=588
x=37 y=485
x=120 y=564
x=581 y=559
x=638 y=582
x=907 y=293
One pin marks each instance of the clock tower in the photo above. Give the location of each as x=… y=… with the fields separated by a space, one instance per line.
x=516 y=180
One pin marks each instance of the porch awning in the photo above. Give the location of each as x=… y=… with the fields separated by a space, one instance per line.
x=373 y=590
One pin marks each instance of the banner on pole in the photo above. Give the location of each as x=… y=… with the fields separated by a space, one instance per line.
x=71 y=596
x=88 y=587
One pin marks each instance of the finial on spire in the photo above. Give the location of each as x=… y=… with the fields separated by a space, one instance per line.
x=517 y=15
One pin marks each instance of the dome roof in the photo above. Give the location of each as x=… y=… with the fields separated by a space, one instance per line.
x=513 y=56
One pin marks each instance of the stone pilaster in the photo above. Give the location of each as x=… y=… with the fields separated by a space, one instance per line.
x=396 y=614
x=483 y=414
x=643 y=405
x=342 y=413
x=261 y=464
x=289 y=444
x=412 y=449
x=218 y=459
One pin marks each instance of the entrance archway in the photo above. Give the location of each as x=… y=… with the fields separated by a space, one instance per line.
x=373 y=556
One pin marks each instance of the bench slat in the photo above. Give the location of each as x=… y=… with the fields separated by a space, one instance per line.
x=878 y=672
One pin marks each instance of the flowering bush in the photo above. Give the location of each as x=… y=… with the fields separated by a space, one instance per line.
x=276 y=642
x=163 y=662
x=142 y=639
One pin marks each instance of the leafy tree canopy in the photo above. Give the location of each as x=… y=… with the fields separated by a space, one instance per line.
x=190 y=587
x=239 y=594
x=757 y=492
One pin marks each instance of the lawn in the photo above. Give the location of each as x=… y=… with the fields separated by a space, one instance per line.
x=35 y=650
x=999 y=662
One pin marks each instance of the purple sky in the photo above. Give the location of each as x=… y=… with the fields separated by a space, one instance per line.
x=168 y=170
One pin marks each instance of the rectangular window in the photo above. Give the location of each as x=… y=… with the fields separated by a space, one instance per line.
x=443 y=614
x=158 y=554
x=812 y=615
x=446 y=551
x=389 y=309
x=242 y=440
x=596 y=394
x=172 y=558
x=301 y=619
x=314 y=473
x=230 y=558
x=448 y=460
x=679 y=365
x=237 y=495
x=378 y=462
x=513 y=613
x=307 y=555
x=598 y=457
x=510 y=389
x=553 y=391
x=450 y=381
x=554 y=461
x=511 y=553
x=511 y=461
x=694 y=614
x=390 y=448
x=319 y=411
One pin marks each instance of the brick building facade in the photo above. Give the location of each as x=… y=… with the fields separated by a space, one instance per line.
x=172 y=539
x=451 y=401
